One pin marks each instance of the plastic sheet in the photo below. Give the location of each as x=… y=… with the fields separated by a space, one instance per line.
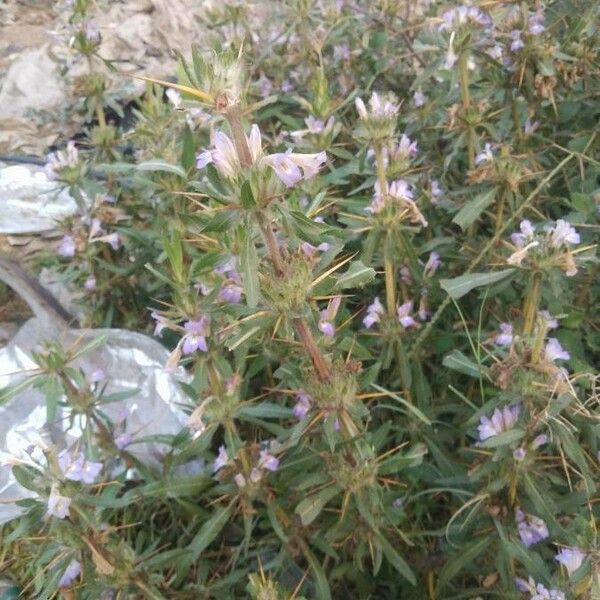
x=130 y=360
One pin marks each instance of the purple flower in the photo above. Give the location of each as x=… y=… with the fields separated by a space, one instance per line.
x=432 y=265
x=551 y=322
x=517 y=43
x=92 y=33
x=327 y=316
x=231 y=292
x=90 y=283
x=379 y=109
x=303 y=405
x=562 y=234
x=374 y=312
x=525 y=236
x=419 y=99
x=436 y=191
x=58 y=506
x=66 y=247
x=519 y=454
x=500 y=421
x=287 y=86
x=268 y=461
x=114 y=239
x=486 y=156
x=291 y=167
x=240 y=480
x=571 y=559
x=255 y=475
x=532 y=529
x=403 y=312
x=309 y=250
x=539 y=440
x=195 y=338
x=314 y=125
x=97 y=375
x=536 y=24
x=554 y=351
x=221 y=460
x=160 y=323
x=505 y=337
x=56 y=161
x=70 y=575
x=203 y=158
x=123 y=440
x=537 y=591
x=76 y=468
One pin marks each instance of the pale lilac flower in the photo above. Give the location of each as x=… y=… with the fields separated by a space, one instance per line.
x=231 y=293
x=531 y=529
x=423 y=312
x=268 y=461
x=287 y=166
x=58 y=506
x=550 y=321
x=554 y=351
x=221 y=460
x=571 y=559
x=463 y=15
x=309 y=250
x=496 y=52
x=539 y=440
x=519 y=454
x=90 y=284
x=66 y=247
x=379 y=109
x=174 y=97
x=502 y=419
x=342 y=52
x=97 y=375
x=522 y=238
x=265 y=85
x=61 y=159
x=403 y=312
x=517 y=43
x=451 y=56
x=95 y=228
x=405 y=276
x=287 y=86
x=432 y=265
x=505 y=337
x=123 y=440
x=536 y=24
x=419 y=99
x=114 y=239
x=302 y=406
x=517 y=257
x=314 y=125
x=405 y=147
x=203 y=158
x=161 y=323
x=76 y=468
x=255 y=475
x=70 y=575
x=195 y=338
x=563 y=234
x=327 y=316
x=436 y=191
x=398 y=503
x=530 y=127
x=240 y=480
x=537 y=591
x=486 y=156
x=92 y=33
x=375 y=311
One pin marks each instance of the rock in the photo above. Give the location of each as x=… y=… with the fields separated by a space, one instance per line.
x=30 y=202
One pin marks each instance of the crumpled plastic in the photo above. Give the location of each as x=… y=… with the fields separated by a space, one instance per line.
x=130 y=360
x=30 y=202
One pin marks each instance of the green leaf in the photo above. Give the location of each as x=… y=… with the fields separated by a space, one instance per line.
x=10 y=391
x=249 y=268
x=211 y=529
x=357 y=275
x=468 y=553
x=310 y=508
x=470 y=212
x=188 y=151
x=459 y=286
x=161 y=166
x=503 y=439
x=396 y=560
x=321 y=584
x=457 y=361
x=410 y=407
x=247 y=197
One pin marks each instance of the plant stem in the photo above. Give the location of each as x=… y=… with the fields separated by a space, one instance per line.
x=532 y=301
x=100 y=113
x=271 y=242
x=463 y=73
x=390 y=283
x=321 y=365
x=500 y=208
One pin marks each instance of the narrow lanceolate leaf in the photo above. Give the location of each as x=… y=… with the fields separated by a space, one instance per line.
x=357 y=275
x=457 y=361
x=468 y=553
x=160 y=165
x=470 y=212
x=319 y=576
x=396 y=560
x=249 y=266
x=211 y=529
x=459 y=286
x=310 y=508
